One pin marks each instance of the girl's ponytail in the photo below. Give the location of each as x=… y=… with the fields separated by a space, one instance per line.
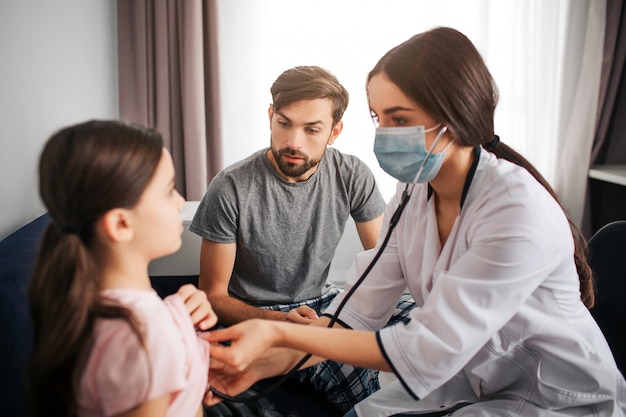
x=60 y=297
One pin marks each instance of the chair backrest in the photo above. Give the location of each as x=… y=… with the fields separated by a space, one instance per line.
x=607 y=257
x=17 y=259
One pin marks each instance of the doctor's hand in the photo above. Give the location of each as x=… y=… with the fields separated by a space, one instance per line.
x=247 y=341
x=200 y=310
x=301 y=315
x=227 y=381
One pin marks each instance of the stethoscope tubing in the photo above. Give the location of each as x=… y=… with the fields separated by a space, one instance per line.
x=395 y=218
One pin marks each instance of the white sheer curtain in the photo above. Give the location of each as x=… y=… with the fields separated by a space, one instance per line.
x=578 y=103
x=544 y=55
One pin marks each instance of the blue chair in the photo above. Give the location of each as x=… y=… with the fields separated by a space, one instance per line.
x=607 y=257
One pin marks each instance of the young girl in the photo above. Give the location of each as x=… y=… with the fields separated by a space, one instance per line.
x=496 y=268
x=105 y=343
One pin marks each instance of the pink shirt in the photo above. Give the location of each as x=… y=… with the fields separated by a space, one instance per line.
x=118 y=375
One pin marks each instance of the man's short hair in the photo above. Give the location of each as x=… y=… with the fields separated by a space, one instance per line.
x=309 y=83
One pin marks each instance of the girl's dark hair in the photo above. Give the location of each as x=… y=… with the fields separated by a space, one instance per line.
x=445 y=75
x=309 y=83
x=84 y=171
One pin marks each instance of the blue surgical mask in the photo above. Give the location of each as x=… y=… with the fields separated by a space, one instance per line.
x=401 y=153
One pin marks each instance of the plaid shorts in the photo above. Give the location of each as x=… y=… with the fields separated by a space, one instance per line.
x=343 y=385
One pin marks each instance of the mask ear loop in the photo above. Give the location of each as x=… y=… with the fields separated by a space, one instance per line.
x=430 y=152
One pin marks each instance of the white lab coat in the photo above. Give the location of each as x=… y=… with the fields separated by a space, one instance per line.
x=499 y=323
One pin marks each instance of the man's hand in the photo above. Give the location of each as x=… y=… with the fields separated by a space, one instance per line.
x=200 y=310
x=301 y=315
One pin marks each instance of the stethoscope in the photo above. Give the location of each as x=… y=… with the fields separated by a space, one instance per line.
x=393 y=222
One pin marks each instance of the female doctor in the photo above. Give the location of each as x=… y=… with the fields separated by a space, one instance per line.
x=493 y=262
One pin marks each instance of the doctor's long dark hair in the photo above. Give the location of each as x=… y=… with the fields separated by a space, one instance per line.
x=445 y=75
x=84 y=171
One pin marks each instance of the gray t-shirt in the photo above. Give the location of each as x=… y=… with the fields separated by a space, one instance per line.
x=286 y=233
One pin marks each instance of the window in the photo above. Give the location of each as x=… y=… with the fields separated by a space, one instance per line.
x=522 y=41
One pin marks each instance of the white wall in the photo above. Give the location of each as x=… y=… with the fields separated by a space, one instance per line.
x=58 y=66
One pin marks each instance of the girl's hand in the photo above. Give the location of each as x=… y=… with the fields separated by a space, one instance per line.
x=200 y=310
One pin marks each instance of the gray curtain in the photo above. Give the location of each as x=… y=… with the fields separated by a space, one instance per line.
x=168 y=80
x=606 y=202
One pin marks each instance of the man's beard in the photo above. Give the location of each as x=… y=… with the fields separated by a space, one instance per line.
x=289 y=169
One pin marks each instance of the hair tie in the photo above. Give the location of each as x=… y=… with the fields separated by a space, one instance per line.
x=491 y=145
x=67 y=230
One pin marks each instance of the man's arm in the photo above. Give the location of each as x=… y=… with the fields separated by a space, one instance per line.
x=216 y=267
x=369 y=231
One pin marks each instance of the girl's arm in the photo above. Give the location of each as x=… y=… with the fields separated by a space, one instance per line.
x=153 y=408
